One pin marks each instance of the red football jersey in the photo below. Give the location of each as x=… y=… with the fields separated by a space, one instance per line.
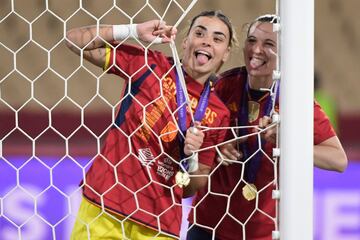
x=323 y=129
x=134 y=174
x=245 y=218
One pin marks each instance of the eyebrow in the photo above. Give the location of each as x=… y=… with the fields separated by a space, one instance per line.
x=205 y=29
x=270 y=40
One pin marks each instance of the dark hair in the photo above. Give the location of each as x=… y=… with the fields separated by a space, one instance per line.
x=223 y=18
x=267 y=18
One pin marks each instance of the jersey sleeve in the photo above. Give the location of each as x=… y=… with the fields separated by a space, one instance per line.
x=322 y=126
x=126 y=60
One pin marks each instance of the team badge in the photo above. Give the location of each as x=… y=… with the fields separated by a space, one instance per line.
x=254 y=110
x=146 y=157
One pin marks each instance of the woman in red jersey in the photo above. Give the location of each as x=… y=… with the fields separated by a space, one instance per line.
x=235 y=214
x=134 y=188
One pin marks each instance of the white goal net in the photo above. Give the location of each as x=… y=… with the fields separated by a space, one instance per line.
x=50 y=132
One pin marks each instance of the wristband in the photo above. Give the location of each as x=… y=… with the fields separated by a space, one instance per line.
x=193 y=163
x=120 y=32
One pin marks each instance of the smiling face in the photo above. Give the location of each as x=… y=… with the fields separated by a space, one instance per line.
x=206 y=47
x=260 y=50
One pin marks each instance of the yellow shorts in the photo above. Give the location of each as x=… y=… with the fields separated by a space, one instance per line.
x=94 y=224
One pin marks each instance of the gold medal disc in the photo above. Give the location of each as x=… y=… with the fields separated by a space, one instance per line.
x=249 y=191
x=182 y=179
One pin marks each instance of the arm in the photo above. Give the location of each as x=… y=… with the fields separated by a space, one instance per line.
x=93 y=44
x=228 y=152
x=193 y=141
x=328 y=151
x=198 y=182
x=330 y=155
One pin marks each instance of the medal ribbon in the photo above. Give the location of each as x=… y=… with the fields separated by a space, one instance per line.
x=252 y=166
x=198 y=116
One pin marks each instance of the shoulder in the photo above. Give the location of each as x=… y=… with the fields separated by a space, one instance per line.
x=230 y=77
x=323 y=129
x=231 y=83
x=219 y=105
x=238 y=72
x=132 y=50
x=128 y=48
x=318 y=111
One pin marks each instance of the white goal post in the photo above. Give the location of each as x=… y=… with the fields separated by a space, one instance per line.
x=296 y=100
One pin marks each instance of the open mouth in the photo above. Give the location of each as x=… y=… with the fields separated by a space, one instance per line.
x=202 y=56
x=257 y=62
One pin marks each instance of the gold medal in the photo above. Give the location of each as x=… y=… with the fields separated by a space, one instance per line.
x=182 y=179
x=254 y=110
x=249 y=191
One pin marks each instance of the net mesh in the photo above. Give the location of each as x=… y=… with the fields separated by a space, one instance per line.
x=46 y=152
